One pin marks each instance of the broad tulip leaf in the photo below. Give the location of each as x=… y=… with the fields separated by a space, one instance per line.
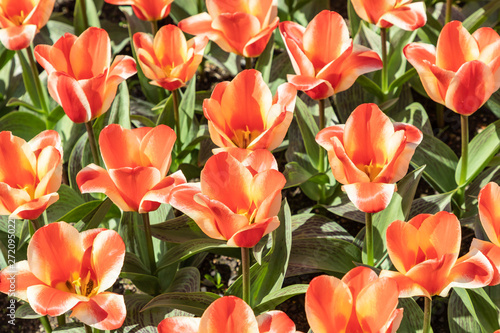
x=308 y=129
x=187 y=280
x=120 y=109
x=68 y=199
x=133 y=264
x=494 y=103
x=77 y=213
x=471 y=193
x=276 y=298
x=415 y=115
x=25 y=312
x=177 y=230
x=281 y=66
x=25 y=125
x=5 y=56
x=474 y=21
x=146 y=283
x=413 y=316
x=482 y=149
x=481 y=307
x=264 y=62
x=186 y=111
x=305 y=226
x=96 y=216
x=91 y=15
x=347 y=209
x=194 y=303
x=431 y=204
x=222 y=59
x=440 y=161
x=459 y=318
x=70 y=328
x=180 y=11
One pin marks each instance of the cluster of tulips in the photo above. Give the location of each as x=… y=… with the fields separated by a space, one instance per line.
x=143 y=165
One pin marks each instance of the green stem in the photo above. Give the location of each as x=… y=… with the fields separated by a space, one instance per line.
x=175 y=97
x=149 y=242
x=46 y=324
x=369 y=239
x=465 y=155
x=92 y=142
x=248 y=63
x=383 y=37
x=38 y=84
x=154 y=27
x=61 y=320
x=321 y=157
x=440 y=115
x=447 y=17
x=427 y=314
x=88 y=329
x=83 y=8
x=245 y=264
x=36 y=224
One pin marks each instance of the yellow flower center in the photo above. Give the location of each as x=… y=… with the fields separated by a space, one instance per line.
x=80 y=286
x=29 y=188
x=243 y=138
x=371 y=170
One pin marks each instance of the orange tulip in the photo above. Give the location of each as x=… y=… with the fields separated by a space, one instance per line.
x=462 y=71
x=360 y=302
x=168 y=60
x=30 y=174
x=146 y=10
x=240 y=26
x=386 y=13
x=20 y=20
x=68 y=270
x=229 y=314
x=237 y=199
x=425 y=253
x=489 y=214
x=137 y=161
x=324 y=57
x=80 y=78
x=242 y=113
x=369 y=154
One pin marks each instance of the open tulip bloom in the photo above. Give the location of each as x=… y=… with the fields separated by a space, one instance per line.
x=229 y=314
x=67 y=270
x=462 y=71
x=80 y=77
x=20 y=20
x=324 y=57
x=137 y=163
x=242 y=113
x=489 y=214
x=369 y=154
x=243 y=27
x=168 y=59
x=386 y=13
x=30 y=174
x=360 y=302
x=425 y=253
x=146 y=10
x=237 y=199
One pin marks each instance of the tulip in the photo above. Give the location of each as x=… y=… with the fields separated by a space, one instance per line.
x=237 y=199
x=243 y=27
x=242 y=113
x=68 y=270
x=360 y=302
x=489 y=214
x=168 y=60
x=386 y=13
x=369 y=154
x=425 y=253
x=146 y=10
x=229 y=314
x=30 y=174
x=462 y=71
x=80 y=78
x=137 y=163
x=20 y=20
x=324 y=57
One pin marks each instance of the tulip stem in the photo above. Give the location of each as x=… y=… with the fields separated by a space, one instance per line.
x=465 y=156
x=321 y=157
x=383 y=37
x=61 y=320
x=36 y=224
x=245 y=264
x=248 y=63
x=149 y=242
x=92 y=142
x=175 y=97
x=369 y=239
x=154 y=27
x=447 y=17
x=427 y=314
x=440 y=115
x=38 y=84
x=46 y=324
x=83 y=8
x=88 y=329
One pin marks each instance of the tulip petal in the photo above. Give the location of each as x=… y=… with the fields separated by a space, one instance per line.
x=237 y=28
x=70 y=95
x=168 y=39
x=250 y=234
x=50 y=301
x=406 y=286
x=471 y=87
x=120 y=147
x=161 y=192
x=357 y=278
x=228 y=314
x=179 y=325
x=156 y=148
x=108 y=253
x=372 y=10
x=292 y=34
x=41 y=13
x=315 y=88
x=489 y=211
x=256 y=45
x=111 y=305
x=492 y=252
x=11 y=198
x=432 y=274
x=402 y=245
x=94 y=46
x=18 y=37
x=328 y=304
x=15 y=279
x=275 y=322
x=440 y=234
x=266 y=193
x=455 y=47
x=34 y=208
x=408 y=17
x=17 y=161
x=370 y=197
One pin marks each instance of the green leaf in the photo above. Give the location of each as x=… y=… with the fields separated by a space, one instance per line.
x=181 y=11
x=222 y=59
x=177 y=230
x=146 y=283
x=120 y=109
x=142 y=321
x=22 y=124
x=472 y=191
x=482 y=149
x=133 y=264
x=440 y=163
x=194 y=303
x=308 y=129
x=25 y=311
x=370 y=86
x=96 y=216
x=187 y=280
x=274 y=299
x=310 y=226
x=415 y=115
x=68 y=199
x=474 y=21
x=264 y=62
x=413 y=316
x=18 y=102
x=186 y=112
x=5 y=55
x=28 y=79
x=431 y=204
x=79 y=212
x=480 y=307
x=459 y=318
x=92 y=16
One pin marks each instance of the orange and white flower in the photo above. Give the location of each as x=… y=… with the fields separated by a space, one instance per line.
x=146 y=10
